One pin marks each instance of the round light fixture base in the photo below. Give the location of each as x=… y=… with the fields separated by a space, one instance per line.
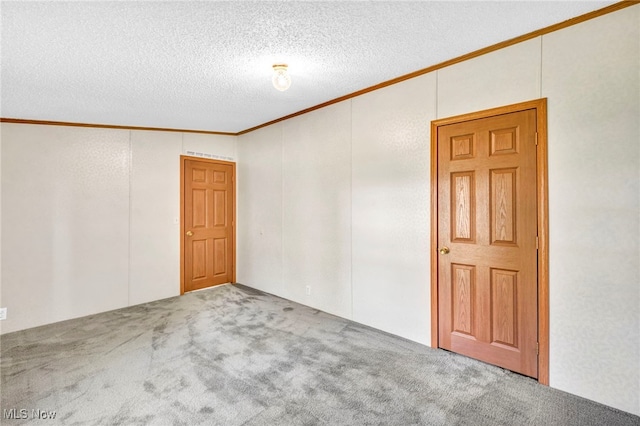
x=281 y=79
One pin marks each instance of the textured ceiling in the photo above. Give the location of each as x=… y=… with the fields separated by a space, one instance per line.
x=207 y=65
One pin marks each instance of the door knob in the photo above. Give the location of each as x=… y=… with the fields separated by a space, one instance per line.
x=444 y=250
x=189 y=233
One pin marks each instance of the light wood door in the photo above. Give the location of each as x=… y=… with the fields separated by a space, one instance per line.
x=208 y=223
x=487 y=230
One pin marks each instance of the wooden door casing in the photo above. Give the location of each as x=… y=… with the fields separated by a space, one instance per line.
x=489 y=294
x=207 y=223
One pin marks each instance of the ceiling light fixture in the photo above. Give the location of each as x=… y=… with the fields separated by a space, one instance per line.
x=281 y=79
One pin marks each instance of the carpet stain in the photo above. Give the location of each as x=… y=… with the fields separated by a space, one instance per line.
x=149 y=387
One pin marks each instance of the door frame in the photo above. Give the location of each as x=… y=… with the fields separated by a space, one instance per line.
x=183 y=159
x=542 y=196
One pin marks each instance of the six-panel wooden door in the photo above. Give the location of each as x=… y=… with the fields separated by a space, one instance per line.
x=208 y=223
x=487 y=229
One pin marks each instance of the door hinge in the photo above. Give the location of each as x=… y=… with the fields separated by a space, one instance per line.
x=536 y=138
x=537 y=243
x=537 y=348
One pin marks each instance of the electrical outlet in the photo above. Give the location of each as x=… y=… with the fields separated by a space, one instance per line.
x=3 y=313
x=308 y=288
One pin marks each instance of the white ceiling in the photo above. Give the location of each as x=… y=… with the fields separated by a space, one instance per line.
x=207 y=65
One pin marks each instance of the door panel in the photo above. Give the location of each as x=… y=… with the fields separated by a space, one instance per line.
x=199 y=254
x=487 y=218
x=219 y=208
x=199 y=208
x=503 y=307
x=220 y=254
x=464 y=277
x=208 y=224
x=502 y=205
x=463 y=202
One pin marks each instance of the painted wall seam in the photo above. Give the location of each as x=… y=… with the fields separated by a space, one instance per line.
x=541 y=67
x=351 y=205
x=282 y=245
x=130 y=218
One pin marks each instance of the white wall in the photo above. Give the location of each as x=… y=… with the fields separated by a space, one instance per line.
x=591 y=76
x=294 y=209
x=589 y=72
x=391 y=222
x=88 y=218
x=155 y=205
x=1 y=300
x=65 y=222
x=316 y=181
x=259 y=249
x=504 y=77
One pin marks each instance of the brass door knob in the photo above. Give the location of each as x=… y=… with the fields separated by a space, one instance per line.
x=444 y=250
x=189 y=233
